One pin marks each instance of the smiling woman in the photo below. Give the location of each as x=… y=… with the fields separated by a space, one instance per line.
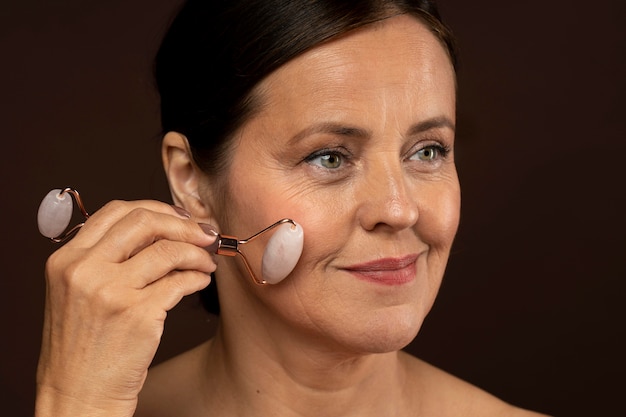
x=355 y=182
x=348 y=129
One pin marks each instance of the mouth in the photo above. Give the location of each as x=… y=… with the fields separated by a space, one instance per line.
x=387 y=271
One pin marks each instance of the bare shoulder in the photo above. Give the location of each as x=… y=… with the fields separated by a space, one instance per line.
x=169 y=386
x=444 y=394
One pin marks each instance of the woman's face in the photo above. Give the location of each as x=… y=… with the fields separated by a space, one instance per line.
x=354 y=141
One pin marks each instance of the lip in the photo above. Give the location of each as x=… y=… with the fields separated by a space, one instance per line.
x=387 y=271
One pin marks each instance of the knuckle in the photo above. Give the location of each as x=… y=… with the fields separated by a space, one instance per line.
x=167 y=253
x=176 y=289
x=178 y=284
x=111 y=299
x=105 y=216
x=54 y=264
x=114 y=207
x=141 y=216
x=73 y=274
x=60 y=269
x=83 y=281
x=186 y=282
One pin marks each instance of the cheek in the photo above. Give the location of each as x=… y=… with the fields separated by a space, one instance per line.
x=255 y=202
x=250 y=205
x=326 y=226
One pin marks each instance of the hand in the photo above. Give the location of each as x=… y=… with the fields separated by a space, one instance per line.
x=108 y=293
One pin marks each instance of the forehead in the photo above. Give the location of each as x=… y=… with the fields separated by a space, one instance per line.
x=396 y=57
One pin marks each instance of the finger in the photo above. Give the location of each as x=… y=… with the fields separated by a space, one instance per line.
x=164 y=256
x=141 y=228
x=102 y=220
x=169 y=290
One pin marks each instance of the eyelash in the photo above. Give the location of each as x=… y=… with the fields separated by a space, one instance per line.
x=343 y=155
x=441 y=152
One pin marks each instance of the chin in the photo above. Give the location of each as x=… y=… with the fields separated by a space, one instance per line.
x=388 y=331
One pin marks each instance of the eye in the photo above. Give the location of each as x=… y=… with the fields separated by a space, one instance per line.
x=427 y=154
x=326 y=159
x=430 y=153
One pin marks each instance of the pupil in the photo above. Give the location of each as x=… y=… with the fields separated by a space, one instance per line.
x=331 y=160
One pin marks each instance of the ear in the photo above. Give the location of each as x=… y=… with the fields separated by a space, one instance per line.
x=184 y=177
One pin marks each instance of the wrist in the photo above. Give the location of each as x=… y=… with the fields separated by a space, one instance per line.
x=50 y=402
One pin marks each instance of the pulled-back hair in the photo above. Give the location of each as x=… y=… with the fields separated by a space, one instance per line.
x=217 y=51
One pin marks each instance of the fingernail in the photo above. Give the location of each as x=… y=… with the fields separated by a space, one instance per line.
x=208 y=229
x=182 y=211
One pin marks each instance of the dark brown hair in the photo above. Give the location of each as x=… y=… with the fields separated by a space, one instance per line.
x=216 y=52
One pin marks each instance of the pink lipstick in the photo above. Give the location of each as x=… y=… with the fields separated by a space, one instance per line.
x=387 y=271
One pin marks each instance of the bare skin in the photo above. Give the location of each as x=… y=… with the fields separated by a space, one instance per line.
x=355 y=141
x=323 y=343
x=423 y=390
x=109 y=290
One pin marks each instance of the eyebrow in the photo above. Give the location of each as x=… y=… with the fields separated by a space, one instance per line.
x=433 y=123
x=330 y=128
x=355 y=132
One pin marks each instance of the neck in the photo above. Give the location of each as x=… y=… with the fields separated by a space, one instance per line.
x=289 y=375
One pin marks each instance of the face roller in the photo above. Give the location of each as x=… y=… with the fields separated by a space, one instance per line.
x=280 y=256
x=281 y=253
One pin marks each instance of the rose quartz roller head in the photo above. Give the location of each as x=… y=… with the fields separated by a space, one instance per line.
x=55 y=213
x=280 y=256
x=281 y=253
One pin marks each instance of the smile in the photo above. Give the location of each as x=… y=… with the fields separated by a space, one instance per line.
x=388 y=271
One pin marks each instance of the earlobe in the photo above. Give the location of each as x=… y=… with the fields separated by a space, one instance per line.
x=183 y=176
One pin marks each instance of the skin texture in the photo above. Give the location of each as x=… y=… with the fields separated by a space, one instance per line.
x=109 y=290
x=378 y=204
x=354 y=141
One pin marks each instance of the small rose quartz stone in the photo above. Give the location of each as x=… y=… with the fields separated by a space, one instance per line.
x=282 y=252
x=55 y=213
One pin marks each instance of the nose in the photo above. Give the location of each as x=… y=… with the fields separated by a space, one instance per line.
x=387 y=196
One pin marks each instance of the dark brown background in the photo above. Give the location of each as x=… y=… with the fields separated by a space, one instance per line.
x=532 y=305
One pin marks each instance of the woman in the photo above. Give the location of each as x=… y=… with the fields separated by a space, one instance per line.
x=339 y=116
